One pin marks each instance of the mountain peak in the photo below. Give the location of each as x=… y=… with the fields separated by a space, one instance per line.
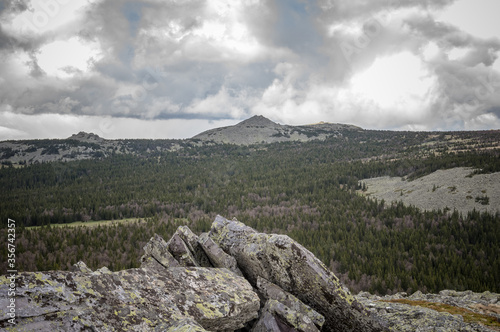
x=257 y=121
x=87 y=137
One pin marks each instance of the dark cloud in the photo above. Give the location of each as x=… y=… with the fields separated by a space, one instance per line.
x=35 y=70
x=446 y=34
x=9 y=7
x=292 y=60
x=293 y=26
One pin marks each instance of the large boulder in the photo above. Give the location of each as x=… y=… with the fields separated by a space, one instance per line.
x=293 y=268
x=135 y=300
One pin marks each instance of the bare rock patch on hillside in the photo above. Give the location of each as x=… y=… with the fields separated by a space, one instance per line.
x=451 y=189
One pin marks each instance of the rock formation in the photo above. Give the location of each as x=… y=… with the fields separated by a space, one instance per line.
x=281 y=260
x=229 y=279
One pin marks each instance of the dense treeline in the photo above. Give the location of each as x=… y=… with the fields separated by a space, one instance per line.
x=306 y=190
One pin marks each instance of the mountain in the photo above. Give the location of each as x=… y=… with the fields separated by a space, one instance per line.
x=87 y=137
x=231 y=278
x=255 y=130
x=259 y=129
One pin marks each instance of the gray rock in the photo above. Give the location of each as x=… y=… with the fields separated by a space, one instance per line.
x=183 y=325
x=157 y=249
x=191 y=240
x=296 y=270
x=217 y=256
x=283 y=311
x=149 y=263
x=299 y=315
x=406 y=317
x=135 y=300
x=103 y=270
x=81 y=267
x=275 y=316
x=268 y=322
x=180 y=251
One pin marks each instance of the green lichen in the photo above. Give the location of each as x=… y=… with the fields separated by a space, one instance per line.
x=147 y=321
x=44 y=279
x=4 y=280
x=209 y=311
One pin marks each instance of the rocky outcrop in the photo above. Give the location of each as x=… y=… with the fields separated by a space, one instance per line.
x=231 y=278
x=293 y=268
x=180 y=251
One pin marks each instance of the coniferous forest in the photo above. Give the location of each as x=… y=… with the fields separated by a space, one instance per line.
x=305 y=190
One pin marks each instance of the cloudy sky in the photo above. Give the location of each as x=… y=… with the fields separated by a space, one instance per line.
x=173 y=68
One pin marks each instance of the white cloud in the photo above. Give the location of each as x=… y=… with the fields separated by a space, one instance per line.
x=396 y=81
x=64 y=58
x=377 y=64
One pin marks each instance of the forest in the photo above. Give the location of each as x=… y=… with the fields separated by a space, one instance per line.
x=305 y=190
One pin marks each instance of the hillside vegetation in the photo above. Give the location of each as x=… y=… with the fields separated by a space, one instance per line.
x=306 y=190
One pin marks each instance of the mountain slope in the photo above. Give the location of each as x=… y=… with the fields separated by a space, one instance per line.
x=259 y=129
x=451 y=189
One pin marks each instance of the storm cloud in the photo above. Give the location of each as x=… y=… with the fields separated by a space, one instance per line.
x=104 y=66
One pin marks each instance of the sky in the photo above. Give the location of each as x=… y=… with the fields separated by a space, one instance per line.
x=174 y=68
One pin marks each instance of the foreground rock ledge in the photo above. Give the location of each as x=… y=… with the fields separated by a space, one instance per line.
x=135 y=300
x=231 y=278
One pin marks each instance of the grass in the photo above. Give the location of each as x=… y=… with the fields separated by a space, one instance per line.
x=469 y=316
x=92 y=223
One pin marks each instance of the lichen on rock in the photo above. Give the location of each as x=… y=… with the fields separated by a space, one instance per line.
x=300 y=315
x=217 y=256
x=289 y=265
x=157 y=249
x=131 y=300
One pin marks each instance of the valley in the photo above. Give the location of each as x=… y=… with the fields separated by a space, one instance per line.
x=309 y=190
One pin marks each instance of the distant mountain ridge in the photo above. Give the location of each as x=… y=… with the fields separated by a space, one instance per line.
x=255 y=130
x=259 y=129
